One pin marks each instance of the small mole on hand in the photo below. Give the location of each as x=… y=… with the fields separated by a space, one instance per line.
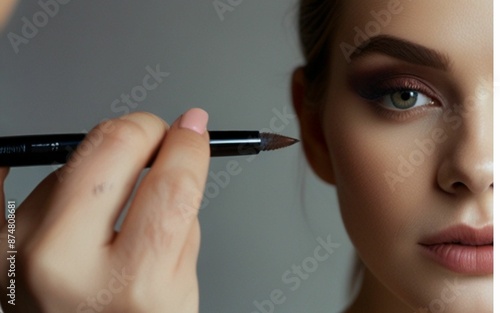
x=101 y=188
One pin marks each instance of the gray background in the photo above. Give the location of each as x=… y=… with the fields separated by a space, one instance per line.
x=237 y=66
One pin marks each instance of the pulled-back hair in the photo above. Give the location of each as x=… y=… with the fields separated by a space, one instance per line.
x=317 y=22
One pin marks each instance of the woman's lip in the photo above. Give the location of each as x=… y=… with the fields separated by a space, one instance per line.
x=465 y=259
x=462 y=249
x=461 y=234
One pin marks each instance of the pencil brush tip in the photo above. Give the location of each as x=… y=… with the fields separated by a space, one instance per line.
x=270 y=141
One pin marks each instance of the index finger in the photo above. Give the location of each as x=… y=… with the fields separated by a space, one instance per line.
x=94 y=186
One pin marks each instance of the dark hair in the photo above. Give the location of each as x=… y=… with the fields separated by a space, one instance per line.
x=317 y=24
x=318 y=20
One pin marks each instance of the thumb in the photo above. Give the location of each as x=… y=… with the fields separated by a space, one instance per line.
x=4 y=171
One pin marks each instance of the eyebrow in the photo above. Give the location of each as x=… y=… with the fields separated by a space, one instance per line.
x=403 y=50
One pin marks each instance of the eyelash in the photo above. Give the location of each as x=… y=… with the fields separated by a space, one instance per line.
x=376 y=92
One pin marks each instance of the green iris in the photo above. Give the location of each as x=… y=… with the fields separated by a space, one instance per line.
x=404 y=99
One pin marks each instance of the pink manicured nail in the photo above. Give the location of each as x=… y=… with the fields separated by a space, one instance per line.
x=195 y=119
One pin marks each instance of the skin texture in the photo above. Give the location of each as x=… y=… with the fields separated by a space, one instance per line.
x=353 y=145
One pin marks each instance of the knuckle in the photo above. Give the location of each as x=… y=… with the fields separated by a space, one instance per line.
x=179 y=200
x=127 y=133
x=134 y=298
x=146 y=119
x=128 y=130
x=178 y=186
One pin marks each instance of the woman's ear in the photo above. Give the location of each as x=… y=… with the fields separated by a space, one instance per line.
x=312 y=137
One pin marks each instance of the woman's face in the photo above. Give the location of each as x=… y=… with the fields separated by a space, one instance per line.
x=407 y=137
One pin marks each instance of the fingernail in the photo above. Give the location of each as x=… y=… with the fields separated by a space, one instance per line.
x=195 y=119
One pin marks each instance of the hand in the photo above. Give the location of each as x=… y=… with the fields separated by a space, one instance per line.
x=69 y=257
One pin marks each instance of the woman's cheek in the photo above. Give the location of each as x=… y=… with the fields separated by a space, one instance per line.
x=364 y=151
x=384 y=221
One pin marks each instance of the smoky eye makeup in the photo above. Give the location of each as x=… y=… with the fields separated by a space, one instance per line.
x=389 y=73
x=394 y=93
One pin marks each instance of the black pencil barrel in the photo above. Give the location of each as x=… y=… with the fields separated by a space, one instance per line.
x=57 y=149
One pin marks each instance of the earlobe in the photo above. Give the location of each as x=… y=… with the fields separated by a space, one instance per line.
x=312 y=137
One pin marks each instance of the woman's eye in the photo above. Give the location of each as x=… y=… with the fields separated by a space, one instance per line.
x=405 y=99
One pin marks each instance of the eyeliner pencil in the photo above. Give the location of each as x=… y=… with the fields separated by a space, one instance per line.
x=56 y=149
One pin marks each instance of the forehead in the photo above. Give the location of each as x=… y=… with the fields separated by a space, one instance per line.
x=462 y=29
